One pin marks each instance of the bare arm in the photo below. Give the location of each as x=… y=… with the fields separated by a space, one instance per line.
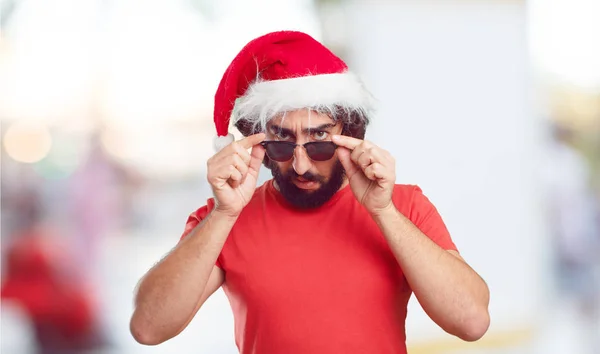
x=172 y=292
x=450 y=292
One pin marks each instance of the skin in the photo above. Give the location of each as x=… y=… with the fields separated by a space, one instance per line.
x=171 y=293
x=449 y=290
x=298 y=127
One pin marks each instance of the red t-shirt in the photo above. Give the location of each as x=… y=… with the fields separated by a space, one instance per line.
x=322 y=280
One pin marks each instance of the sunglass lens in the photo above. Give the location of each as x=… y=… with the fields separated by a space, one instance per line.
x=320 y=151
x=280 y=151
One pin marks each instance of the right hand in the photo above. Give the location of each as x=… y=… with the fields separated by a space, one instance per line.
x=233 y=173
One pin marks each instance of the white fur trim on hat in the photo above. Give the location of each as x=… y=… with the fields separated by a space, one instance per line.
x=222 y=141
x=325 y=93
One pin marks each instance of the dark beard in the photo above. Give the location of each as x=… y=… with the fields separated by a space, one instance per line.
x=301 y=198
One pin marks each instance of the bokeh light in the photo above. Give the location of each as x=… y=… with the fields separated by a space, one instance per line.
x=65 y=156
x=27 y=142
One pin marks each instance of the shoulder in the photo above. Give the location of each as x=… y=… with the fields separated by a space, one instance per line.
x=412 y=203
x=197 y=216
x=406 y=190
x=406 y=194
x=410 y=200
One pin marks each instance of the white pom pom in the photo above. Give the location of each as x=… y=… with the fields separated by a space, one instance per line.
x=222 y=141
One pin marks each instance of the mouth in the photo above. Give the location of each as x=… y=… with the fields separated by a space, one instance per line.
x=303 y=183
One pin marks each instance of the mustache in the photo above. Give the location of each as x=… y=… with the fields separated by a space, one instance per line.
x=307 y=176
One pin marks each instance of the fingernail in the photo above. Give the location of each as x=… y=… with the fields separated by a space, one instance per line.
x=335 y=137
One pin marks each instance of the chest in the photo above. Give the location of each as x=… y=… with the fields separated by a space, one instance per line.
x=324 y=255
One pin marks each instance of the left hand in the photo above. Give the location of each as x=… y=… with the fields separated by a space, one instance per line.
x=371 y=172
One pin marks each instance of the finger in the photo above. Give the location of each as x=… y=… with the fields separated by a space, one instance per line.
x=223 y=175
x=375 y=171
x=385 y=156
x=346 y=141
x=371 y=155
x=252 y=140
x=235 y=176
x=257 y=157
x=215 y=163
x=364 y=160
x=344 y=157
x=239 y=164
x=357 y=153
x=242 y=153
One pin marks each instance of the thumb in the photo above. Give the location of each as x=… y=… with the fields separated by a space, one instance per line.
x=344 y=156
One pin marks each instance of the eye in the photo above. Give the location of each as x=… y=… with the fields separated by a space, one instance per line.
x=282 y=136
x=279 y=134
x=320 y=135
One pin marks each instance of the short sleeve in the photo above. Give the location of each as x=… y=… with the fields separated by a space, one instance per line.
x=426 y=217
x=195 y=218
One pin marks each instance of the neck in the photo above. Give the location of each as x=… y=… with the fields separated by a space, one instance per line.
x=345 y=183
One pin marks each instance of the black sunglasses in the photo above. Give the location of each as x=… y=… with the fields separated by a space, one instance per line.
x=282 y=151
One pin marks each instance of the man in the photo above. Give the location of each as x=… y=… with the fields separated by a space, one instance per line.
x=323 y=258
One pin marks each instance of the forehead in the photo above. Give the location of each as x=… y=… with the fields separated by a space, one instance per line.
x=301 y=119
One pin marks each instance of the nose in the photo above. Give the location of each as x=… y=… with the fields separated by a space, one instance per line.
x=302 y=163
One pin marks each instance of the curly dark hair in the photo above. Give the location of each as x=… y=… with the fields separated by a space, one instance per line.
x=354 y=123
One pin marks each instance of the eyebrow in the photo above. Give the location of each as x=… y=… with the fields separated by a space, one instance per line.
x=305 y=130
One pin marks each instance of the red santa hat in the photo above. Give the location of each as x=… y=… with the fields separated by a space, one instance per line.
x=280 y=72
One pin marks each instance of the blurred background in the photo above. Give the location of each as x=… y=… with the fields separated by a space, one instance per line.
x=491 y=106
